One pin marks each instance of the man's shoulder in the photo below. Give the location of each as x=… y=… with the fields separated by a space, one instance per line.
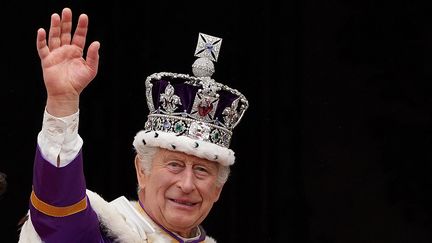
x=116 y=218
x=137 y=221
x=209 y=240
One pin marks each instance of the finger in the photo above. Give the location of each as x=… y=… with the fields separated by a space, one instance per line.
x=54 y=32
x=92 y=57
x=41 y=44
x=66 y=26
x=79 y=37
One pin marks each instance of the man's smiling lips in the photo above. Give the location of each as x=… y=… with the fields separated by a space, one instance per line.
x=183 y=202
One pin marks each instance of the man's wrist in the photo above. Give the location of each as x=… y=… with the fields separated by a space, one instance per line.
x=62 y=107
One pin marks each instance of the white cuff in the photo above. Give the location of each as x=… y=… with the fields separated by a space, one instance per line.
x=59 y=138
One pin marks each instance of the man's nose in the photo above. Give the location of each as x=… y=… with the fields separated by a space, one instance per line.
x=187 y=180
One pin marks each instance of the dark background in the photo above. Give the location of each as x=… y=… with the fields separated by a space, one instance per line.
x=336 y=144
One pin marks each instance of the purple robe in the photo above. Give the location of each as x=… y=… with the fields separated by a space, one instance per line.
x=62 y=187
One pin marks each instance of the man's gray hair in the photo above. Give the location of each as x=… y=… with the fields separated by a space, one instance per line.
x=146 y=157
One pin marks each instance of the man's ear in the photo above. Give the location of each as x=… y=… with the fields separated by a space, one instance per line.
x=141 y=176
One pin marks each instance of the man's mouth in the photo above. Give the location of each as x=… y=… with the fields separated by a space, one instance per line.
x=183 y=202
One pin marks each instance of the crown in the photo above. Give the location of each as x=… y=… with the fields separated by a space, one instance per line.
x=194 y=114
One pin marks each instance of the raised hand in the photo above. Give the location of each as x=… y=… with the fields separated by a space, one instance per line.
x=66 y=73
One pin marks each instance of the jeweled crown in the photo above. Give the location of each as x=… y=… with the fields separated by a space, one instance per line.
x=195 y=106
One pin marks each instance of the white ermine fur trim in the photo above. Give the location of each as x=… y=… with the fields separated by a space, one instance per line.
x=210 y=240
x=115 y=225
x=170 y=141
x=28 y=234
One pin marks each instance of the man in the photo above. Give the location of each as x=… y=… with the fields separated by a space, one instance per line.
x=182 y=159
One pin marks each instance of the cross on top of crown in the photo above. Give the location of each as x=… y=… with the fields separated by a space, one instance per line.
x=208 y=46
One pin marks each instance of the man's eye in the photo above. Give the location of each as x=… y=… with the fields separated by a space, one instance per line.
x=201 y=170
x=174 y=166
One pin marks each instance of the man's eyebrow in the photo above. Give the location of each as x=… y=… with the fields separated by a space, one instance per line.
x=174 y=157
x=209 y=163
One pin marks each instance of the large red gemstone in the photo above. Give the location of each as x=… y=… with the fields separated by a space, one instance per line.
x=204 y=109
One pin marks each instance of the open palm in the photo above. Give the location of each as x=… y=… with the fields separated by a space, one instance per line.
x=66 y=73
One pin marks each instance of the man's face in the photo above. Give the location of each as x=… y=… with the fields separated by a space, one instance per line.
x=180 y=190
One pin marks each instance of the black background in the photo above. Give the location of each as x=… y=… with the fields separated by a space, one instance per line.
x=335 y=146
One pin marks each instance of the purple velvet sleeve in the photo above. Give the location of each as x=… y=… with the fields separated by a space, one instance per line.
x=61 y=187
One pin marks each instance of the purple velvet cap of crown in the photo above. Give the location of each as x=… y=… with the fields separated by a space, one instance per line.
x=187 y=94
